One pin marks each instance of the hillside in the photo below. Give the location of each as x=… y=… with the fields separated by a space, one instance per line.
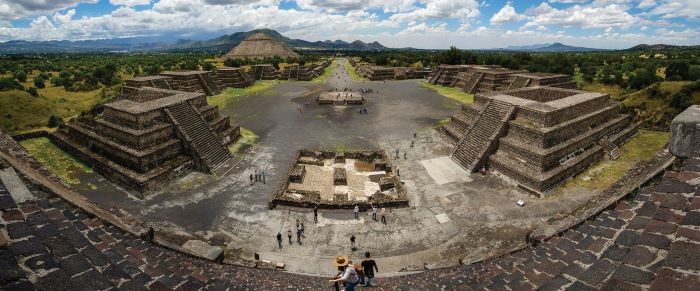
x=550 y=47
x=652 y=106
x=219 y=44
x=661 y=47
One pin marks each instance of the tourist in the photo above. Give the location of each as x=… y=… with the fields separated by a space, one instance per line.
x=374 y=212
x=383 y=214
x=413 y=141
x=279 y=239
x=357 y=211
x=352 y=242
x=299 y=234
x=263 y=173
x=349 y=275
x=251 y=178
x=397 y=171
x=302 y=229
x=316 y=213
x=257 y=176
x=397 y=153
x=289 y=235
x=369 y=267
x=404 y=157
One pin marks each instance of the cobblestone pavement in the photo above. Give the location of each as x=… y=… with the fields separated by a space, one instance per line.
x=649 y=242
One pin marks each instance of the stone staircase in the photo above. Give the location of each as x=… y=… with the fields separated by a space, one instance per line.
x=160 y=83
x=455 y=129
x=200 y=137
x=208 y=85
x=610 y=148
x=470 y=86
x=435 y=76
x=481 y=138
x=519 y=82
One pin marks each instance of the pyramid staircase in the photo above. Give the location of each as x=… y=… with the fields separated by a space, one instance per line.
x=610 y=148
x=519 y=82
x=160 y=83
x=435 y=76
x=201 y=139
x=482 y=137
x=208 y=85
x=470 y=85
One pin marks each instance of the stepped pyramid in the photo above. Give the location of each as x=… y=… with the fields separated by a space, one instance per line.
x=259 y=46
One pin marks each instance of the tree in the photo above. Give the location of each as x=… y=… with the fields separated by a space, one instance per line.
x=39 y=82
x=677 y=70
x=32 y=91
x=453 y=56
x=694 y=73
x=681 y=100
x=21 y=76
x=208 y=66
x=55 y=121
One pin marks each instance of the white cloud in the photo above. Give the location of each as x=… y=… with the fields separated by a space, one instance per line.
x=129 y=2
x=612 y=15
x=506 y=14
x=16 y=9
x=64 y=18
x=646 y=4
x=678 y=8
x=440 y=9
x=567 y=1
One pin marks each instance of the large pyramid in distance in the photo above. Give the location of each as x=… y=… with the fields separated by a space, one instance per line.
x=259 y=46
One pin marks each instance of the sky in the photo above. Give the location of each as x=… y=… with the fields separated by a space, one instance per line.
x=436 y=24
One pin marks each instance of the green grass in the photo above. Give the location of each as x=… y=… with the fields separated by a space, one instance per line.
x=326 y=72
x=615 y=91
x=59 y=162
x=353 y=73
x=231 y=95
x=603 y=174
x=453 y=93
x=247 y=139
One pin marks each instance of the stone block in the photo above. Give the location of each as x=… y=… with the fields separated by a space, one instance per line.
x=667 y=279
x=685 y=132
x=204 y=250
x=684 y=255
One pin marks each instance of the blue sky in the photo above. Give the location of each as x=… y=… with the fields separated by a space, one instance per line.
x=466 y=24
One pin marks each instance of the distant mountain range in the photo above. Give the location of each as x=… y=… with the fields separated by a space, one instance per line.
x=221 y=44
x=550 y=47
x=661 y=47
x=225 y=43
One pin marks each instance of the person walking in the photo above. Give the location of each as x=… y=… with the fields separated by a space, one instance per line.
x=350 y=276
x=397 y=171
x=299 y=234
x=263 y=172
x=279 y=239
x=251 y=178
x=357 y=211
x=352 y=242
x=404 y=157
x=383 y=214
x=257 y=177
x=374 y=212
x=316 y=213
x=369 y=266
x=397 y=154
x=289 y=235
x=302 y=229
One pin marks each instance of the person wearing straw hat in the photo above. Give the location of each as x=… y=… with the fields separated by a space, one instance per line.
x=350 y=276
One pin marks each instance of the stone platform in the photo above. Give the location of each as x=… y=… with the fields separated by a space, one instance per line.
x=340 y=98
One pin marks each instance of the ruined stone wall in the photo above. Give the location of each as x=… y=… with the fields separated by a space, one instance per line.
x=525 y=133
x=551 y=118
x=138 y=161
x=135 y=139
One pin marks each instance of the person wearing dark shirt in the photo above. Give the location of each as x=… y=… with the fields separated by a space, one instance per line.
x=369 y=266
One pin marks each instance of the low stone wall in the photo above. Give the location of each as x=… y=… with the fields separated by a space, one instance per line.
x=311 y=198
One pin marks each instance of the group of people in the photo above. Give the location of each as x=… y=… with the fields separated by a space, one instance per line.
x=351 y=274
x=373 y=208
x=300 y=233
x=368 y=91
x=257 y=176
